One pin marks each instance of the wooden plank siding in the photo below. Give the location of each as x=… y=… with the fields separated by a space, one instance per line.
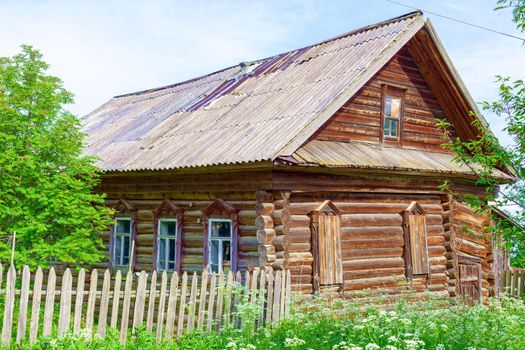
x=360 y=118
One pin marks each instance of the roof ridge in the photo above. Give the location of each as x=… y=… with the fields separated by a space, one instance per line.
x=244 y=63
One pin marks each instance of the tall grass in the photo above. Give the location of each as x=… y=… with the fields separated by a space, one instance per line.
x=343 y=325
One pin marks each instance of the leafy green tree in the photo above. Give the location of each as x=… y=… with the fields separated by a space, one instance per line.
x=485 y=154
x=46 y=183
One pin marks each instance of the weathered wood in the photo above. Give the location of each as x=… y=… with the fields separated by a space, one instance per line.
x=140 y=301
x=116 y=299
x=35 y=306
x=193 y=300
x=182 y=307
x=92 y=298
x=220 y=298
x=104 y=304
x=22 y=310
x=162 y=303
x=277 y=297
x=211 y=302
x=50 y=303
x=9 y=306
x=65 y=303
x=126 y=303
x=151 y=301
x=202 y=300
x=172 y=304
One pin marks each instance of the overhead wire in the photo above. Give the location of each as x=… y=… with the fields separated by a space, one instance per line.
x=457 y=20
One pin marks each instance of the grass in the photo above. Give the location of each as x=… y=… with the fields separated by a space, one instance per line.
x=345 y=325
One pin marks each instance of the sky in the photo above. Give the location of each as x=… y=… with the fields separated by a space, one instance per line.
x=105 y=48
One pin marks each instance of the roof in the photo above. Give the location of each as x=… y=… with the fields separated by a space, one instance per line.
x=375 y=156
x=255 y=111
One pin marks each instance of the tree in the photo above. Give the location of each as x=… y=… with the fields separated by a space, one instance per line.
x=487 y=153
x=46 y=183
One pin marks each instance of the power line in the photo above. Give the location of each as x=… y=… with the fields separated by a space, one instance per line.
x=457 y=20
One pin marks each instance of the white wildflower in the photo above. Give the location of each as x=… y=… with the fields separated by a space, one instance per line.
x=293 y=342
x=372 y=346
x=393 y=339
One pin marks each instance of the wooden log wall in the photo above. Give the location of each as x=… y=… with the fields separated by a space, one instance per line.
x=193 y=193
x=360 y=118
x=469 y=238
x=372 y=241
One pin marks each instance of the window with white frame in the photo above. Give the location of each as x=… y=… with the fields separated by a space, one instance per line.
x=220 y=245
x=121 y=241
x=167 y=244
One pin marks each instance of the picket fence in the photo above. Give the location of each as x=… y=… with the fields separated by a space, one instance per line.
x=206 y=302
x=513 y=282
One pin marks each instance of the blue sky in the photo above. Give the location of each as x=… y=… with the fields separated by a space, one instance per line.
x=105 y=48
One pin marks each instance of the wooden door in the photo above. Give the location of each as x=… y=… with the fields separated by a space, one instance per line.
x=330 y=262
x=469 y=281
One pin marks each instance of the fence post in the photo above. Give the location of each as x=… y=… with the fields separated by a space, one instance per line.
x=79 y=300
x=151 y=301
x=172 y=303
x=162 y=303
x=104 y=303
x=125 y=307
x=140 y=301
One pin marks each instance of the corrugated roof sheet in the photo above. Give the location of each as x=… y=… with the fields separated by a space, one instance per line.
x=246 y=113
x=375 y=156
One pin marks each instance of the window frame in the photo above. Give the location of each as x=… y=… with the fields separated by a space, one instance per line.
x=221 y=241
x=123 y=209
x=414 y=209
x=167 y=210
x=392 y=92
x=115 y=234
x=219 y=209
x=166 y=237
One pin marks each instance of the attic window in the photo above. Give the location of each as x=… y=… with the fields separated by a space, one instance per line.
x=392 y=112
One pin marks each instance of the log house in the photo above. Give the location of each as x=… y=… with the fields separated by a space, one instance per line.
x=324 y=160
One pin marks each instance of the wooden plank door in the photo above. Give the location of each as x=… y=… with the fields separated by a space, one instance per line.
x=469 y=281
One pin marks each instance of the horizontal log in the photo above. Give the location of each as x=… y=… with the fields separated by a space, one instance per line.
x=389 y=252
x=370 y=231
x=371 y=220
x=372 y=243
x=369 y=264
x=265 y=236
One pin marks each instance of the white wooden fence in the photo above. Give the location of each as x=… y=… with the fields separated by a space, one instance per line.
x=208 y=302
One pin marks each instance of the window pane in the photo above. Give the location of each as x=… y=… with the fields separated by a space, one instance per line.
x=226 y=253
x=221 y=229
x=395 y=108
x=172 y=250
x=393 y=128
x=214 y=255
x=168 y=228
x=123 y=226
x=125 y=252
x=387 y=127
x=162 y=253
x=117 y=244
x=388 y=106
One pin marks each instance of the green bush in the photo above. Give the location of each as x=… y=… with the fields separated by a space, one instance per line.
x=343 y=325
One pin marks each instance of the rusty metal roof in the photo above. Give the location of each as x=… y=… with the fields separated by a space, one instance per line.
x=250 y=112
x=376 y=156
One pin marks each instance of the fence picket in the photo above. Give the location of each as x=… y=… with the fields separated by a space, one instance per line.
x=277 y=297
x=283 y=294
x=92 y=298
x=288 y=296
x=220 y=297
x=50 y=303
x=65 y=303
x=193 y=298
x=24 y=299
x=269 y=305
x=35 y=306
x=125 y=307
x=104 y=303
x=228 y=299
x=211 y=302
x=140 y=300
x=202 y=300
x=180 y=323
x=262 y=294
x=238 y=284
x=151 y=301
x=79 y=301
x=9 y=305
x=116 y=299
x=162 y=303
x=172 y=304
